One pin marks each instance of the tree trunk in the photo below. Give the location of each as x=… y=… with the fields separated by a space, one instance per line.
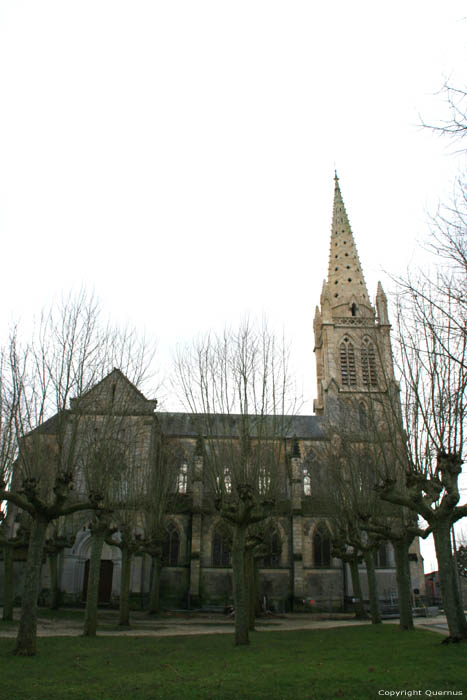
x=256 y=586
x=360 y=613
x=240 y=585
x=372 y=588
x=54 y=587
x=404 y=586
x=26 y=639
x=8 y=583
x=154 y=597
x=250 y=577
x=125 y=578
x=449 y=585
x=90 y=616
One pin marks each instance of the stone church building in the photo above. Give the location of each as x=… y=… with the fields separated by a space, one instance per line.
x=300 y=567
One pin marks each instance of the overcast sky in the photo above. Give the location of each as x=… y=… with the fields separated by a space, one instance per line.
x=177 y=157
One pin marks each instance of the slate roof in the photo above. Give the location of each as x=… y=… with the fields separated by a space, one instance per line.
x=190 y=425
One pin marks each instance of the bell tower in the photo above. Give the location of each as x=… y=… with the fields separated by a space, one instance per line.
x=352 y=343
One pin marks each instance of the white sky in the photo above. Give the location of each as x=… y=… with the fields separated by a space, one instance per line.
x=178 y=156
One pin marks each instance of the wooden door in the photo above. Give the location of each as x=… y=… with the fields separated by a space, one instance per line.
x=105 y=580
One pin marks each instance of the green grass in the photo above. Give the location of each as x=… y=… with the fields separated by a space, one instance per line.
x=353 y=662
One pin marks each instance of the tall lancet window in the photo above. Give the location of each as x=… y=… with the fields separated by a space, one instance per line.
x=347 y=358
x=369 y=376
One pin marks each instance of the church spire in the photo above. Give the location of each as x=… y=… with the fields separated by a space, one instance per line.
x=346 y=283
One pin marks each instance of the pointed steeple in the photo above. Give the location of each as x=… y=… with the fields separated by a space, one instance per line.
x=346 y=283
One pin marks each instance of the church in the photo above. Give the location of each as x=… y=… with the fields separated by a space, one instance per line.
x=300 y=569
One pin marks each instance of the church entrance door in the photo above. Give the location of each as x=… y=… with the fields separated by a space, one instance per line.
x=105 y=580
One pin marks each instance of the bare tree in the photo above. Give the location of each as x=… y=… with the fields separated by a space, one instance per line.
x=461 y=558
x=127 y=522
x=351 y=473
x=432 y=340
x=237 y=386
x=158 y=484
x=260 y=545
x=455 y=126
x=114 y=438
x=400 y=529
x=71 y=350
x=353 y=557
x=14 y=536
x=102 y=466
x=60 y=535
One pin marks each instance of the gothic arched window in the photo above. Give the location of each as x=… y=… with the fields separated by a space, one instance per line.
x=171 y=546
x=273 y=558
x=347 y=360
x=368 y=357
x=321 y=547
x=224 y=482
x=182 y=478
x=221 y=549
x=264 y=481
x=309 y=467
x=381 y=556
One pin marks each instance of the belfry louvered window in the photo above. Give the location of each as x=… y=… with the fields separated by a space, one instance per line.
x=347 y=358
x=369 y=376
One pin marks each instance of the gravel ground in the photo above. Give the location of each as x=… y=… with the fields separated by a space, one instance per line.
x=143 y=625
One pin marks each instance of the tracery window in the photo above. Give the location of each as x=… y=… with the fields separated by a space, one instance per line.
x=171 y=546
x=321 y=547
x=368 y=357
x=264 y=481
x=309 y=467
x=347 y=359
x=182 y=478
x=273 y=559
x=221 y=548
x=381 y=556
x=224 y=482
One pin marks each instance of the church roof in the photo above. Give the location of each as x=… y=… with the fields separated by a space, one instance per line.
x=346 y=283
x=191 y=425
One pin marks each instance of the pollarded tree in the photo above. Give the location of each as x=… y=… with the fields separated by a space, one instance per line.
x=237 y=387
x=165 y=465
x=127 y=502
x=114 y=438
x=8 y=454
x=432 y=322
x=71 y=350
x=61 y=534
x=351 y=477
x=353 y=557
x=380 y=451
x=14 y=536
x=262 y=547
x=400 y=529
x=461 y=559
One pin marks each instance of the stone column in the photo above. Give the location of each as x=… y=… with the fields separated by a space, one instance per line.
x=297 y=522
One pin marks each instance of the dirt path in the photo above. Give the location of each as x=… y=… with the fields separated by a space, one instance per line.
x=70 y=624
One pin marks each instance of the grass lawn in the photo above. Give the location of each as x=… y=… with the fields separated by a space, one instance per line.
x=353 y=662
